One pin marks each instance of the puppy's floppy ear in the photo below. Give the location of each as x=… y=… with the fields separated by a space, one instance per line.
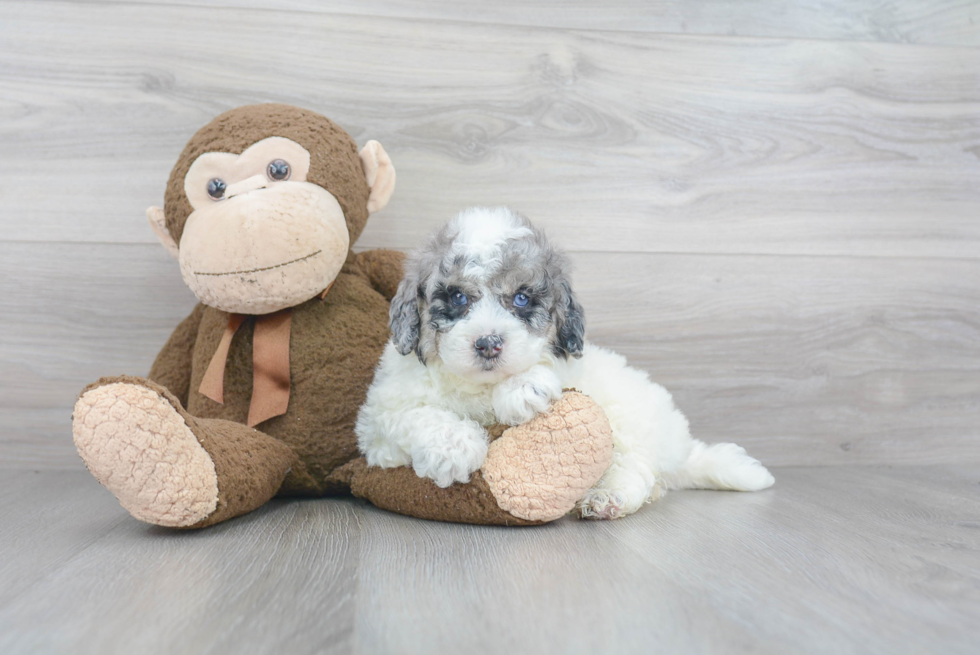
x=403 y=316
x=569 y=321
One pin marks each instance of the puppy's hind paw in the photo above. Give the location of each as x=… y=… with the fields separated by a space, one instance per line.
x=601 y=504
x=607 y=504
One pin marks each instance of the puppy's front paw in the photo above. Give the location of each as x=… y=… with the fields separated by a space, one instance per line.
x=453 y=453
x=520 y=398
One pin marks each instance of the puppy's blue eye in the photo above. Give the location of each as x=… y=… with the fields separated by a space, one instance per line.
x=521 y=300
x=459 y=298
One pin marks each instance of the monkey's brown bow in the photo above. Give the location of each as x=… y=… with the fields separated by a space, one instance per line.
x=270 y=364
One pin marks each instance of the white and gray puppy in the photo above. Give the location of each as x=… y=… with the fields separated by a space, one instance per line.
x=486 y=329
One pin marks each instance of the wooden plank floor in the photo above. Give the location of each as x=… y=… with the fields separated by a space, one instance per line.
x=830 y=560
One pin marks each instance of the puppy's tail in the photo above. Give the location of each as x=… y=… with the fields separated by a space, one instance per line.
x=719 y=466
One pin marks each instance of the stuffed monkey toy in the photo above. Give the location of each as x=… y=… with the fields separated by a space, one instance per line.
x=255 y=394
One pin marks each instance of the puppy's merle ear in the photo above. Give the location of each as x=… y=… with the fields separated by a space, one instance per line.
x=570 y=323
x=403 y=316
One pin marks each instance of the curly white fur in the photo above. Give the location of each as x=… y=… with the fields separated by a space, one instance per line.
x=521 y=397
x=433 y=395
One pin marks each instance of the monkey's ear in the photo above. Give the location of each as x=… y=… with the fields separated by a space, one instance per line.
x=380 y=174
x=158 y=222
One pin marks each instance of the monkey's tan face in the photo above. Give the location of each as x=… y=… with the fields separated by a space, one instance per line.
x=261 y=238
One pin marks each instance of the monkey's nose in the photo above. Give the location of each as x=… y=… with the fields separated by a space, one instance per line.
x=246 y=185
x=489 y=346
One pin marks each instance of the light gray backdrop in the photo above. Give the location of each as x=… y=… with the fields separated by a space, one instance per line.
x=784 y=231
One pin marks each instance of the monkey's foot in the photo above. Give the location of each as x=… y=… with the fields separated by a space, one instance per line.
x=139 y=446
x=537 y=471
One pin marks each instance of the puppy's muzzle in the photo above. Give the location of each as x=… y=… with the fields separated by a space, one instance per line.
x=488 y=346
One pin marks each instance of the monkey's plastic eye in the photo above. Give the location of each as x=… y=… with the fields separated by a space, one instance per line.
x=216 y=188
x=521 y=300
x=278 y=170
x=459 y=298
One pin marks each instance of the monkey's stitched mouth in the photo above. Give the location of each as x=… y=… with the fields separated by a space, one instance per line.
x=264 y=268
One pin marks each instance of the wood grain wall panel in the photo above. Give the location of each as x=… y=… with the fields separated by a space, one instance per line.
x=70 y=313
x=622 y=141
x=944 y=22
x=802 y=359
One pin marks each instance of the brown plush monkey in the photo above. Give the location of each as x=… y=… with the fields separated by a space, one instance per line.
x=261 y=211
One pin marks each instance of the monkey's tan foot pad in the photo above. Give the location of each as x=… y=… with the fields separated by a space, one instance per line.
x=138 y=445
x=539 y=470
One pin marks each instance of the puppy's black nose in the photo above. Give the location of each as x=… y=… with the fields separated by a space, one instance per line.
x=489 y=346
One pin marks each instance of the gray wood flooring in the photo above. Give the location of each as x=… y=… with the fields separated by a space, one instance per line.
x=830 y=560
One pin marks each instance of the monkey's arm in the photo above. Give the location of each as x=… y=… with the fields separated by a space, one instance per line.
x=172 y=367
x=384 y=269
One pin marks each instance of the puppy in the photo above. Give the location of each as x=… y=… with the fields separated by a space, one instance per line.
x=486 y=329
